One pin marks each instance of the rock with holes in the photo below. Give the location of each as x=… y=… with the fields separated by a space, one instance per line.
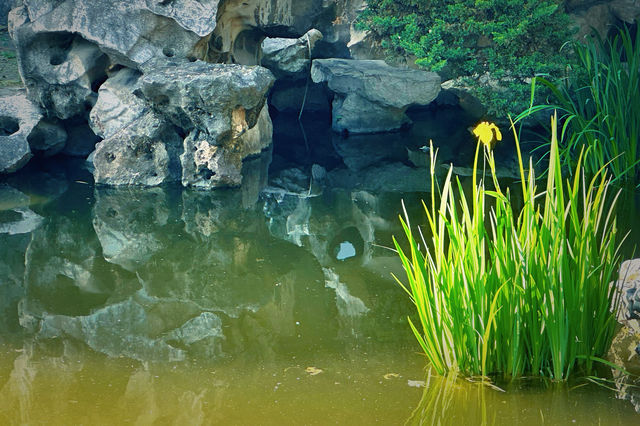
x=130 y=32
x=242 y=25
x=65 y=47
x=371 y=96
x=221 y=110
x=289 y=57
x=146 y=152
x=18 y=118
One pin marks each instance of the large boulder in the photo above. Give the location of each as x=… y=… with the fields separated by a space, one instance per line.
x=371 y=96
x=65 y=47
x=221 y=110
x=180 y=121
x=130 y=31
x=140 y=147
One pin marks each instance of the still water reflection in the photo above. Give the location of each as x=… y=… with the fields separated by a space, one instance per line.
x=170 y=306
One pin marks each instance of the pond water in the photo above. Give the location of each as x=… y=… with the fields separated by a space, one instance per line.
x=173 y=306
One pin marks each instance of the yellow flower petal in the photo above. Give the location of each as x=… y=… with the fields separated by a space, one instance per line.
x=487 y=133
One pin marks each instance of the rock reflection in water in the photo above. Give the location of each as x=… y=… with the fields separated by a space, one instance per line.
x=170 y=305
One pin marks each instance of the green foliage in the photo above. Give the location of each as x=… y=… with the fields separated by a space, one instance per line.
x=509 y=39
x=8 y=54
x=600 y=105
x=502 y=291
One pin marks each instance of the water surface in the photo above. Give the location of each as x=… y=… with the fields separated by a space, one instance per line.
x=172 y=306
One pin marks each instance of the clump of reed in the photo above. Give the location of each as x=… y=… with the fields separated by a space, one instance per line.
x=599 y=105
x=513 y=292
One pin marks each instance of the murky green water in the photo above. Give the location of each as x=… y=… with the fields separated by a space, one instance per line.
x=170 y=306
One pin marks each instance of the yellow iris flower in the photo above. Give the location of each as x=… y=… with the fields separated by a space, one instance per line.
x=488 y=133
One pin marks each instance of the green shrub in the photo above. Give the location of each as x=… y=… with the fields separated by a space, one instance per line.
x=600 y=106
x=512 y=40
x=502 y=291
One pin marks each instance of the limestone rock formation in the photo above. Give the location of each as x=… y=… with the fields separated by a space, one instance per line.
x=287 y=57
x=18 y=118
x=290 y=61
x=371 y=96
x=220 y=108
x=180 y=121
x=130 y=32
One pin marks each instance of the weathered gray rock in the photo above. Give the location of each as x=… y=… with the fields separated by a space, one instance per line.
x=628 y=285
x=371 y=96
x=59 y=68
x=143 y=153
x=140 y=146
x=242 y=25
x=601 y=16
x=289 y=57
x=220 y=108
x=117 y=106
x=65 y=47
x=18 y=118
x=129 y=31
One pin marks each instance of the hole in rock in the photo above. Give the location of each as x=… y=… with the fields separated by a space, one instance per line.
x=8 y=125
x=96 y=83
x=206 y=174
x=57 y=59
x=168 y=52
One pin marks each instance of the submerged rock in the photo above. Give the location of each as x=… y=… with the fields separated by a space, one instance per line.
x=371 y=96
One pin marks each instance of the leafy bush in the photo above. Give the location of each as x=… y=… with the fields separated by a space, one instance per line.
x=512 y=40
x=600 y=105
x=502 y=291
